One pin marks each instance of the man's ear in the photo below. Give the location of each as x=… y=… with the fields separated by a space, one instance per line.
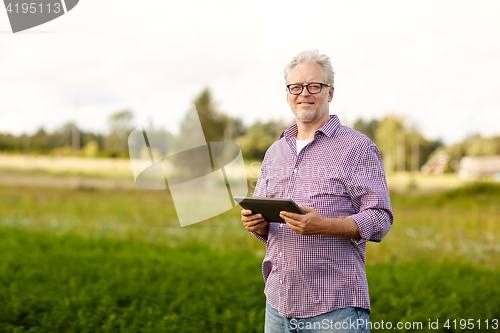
x=330 y=94
x=287 y=97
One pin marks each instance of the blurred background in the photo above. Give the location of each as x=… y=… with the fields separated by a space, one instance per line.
x=84 y=249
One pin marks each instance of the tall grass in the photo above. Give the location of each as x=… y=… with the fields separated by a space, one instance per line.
x=97 y=260
x=462 y=224
x=70 y=284
x=138 y=214
x=51 y=283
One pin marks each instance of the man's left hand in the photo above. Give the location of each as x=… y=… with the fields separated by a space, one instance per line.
x=309 y=224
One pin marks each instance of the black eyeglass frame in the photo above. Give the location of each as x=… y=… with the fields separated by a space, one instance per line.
x=307 y=87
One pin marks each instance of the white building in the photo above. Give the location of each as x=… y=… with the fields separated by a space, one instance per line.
x=477 y=167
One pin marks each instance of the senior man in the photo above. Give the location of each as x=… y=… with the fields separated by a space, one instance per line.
x=314 y=266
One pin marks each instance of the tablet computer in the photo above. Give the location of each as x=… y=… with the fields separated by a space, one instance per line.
x=270 y=208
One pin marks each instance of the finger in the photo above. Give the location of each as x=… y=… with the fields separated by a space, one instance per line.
x=256 y=217
x=246 y=212
x=290 y=215
x=254 y=225
x=252 y=217
x=257 y=221
x=291 y=225
x=289 y=221
x=253 y=221
x=285 y=213
x=295 y=226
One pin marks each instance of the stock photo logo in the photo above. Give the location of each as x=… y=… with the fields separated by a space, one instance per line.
x=203 y=177
x=24 y=14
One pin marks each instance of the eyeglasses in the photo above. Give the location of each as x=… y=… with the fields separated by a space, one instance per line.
x=312 y=88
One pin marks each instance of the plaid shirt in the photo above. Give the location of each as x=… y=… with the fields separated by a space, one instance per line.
x=339 y=173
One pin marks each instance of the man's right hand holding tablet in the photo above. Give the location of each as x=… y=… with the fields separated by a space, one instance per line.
x=254 y=222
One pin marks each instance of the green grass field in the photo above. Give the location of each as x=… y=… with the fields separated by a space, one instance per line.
x=102 y=260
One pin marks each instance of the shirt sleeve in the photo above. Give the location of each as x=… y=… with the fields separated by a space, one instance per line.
x=261 y=191
x=370 y=197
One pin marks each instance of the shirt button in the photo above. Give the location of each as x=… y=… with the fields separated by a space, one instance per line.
x=281 y=225
x=281 y=281
x=295 y=170
x=280 y=254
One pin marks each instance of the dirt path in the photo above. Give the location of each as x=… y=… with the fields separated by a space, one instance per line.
x=27 y=180
x=72 y=172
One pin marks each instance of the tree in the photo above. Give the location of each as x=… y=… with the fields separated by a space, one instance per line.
x=87 y=137
x=401 y=146
x=120 y=126
x=8 y=142
x=368 y=128
x=62 y=136
x=472 y=145
x=213 y=122
x=40 y=141
x=387 y=137
x=479 y=146
x=258 y=138
x=415 y=140
x=216 y=126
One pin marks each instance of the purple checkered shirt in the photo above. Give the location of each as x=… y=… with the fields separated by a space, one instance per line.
x=339 y=173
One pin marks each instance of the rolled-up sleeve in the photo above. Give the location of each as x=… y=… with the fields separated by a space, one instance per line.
x=370 y=196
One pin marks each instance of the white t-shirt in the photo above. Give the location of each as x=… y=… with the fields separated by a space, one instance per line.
x=301 y=145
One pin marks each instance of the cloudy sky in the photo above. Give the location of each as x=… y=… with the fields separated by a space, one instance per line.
x=437 y=63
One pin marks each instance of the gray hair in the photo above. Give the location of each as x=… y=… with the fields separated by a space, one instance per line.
x=313 y=57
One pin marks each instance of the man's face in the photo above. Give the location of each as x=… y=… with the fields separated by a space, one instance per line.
x=309 y=107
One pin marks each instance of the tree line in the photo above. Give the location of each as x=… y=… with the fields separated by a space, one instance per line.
x=403 y=147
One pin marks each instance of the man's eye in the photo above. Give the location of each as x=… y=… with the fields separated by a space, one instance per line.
x=314 y=86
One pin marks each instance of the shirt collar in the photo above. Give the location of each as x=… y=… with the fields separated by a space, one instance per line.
x=328 y=128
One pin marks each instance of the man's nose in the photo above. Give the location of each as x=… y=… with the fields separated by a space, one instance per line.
x=305 y=91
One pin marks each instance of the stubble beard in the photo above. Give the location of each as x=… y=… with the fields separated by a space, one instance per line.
x=311 y=116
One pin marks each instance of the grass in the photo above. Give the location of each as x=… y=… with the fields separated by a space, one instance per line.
x=423 y=184
x=461 y=224
x=100 y=260
x=51 y=283
x=66 y=283
x=422 y=290
x=143 y=215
